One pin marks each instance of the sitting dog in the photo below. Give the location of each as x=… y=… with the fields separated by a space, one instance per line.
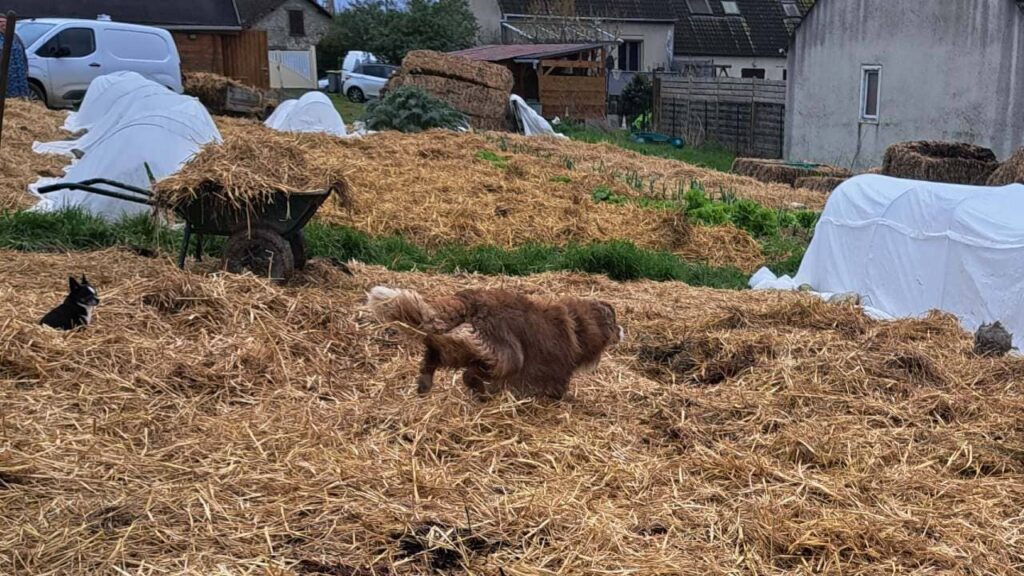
x=528 y=345
x=76 y=310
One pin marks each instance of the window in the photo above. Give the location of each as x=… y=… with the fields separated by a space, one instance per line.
x=296 y=25
x=31 y=31
x=785 y=74
x=870 y=84
x=752 y=73
x=699 y=6
x=791 y=9
x=629 y=55
x=69 y=43
x=731 y=8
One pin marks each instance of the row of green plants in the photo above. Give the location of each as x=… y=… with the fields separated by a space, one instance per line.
x=619 y=260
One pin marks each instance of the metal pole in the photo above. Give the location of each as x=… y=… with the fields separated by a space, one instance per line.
x=5 y=65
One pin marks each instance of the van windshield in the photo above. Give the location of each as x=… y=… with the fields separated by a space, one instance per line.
x=29 y=32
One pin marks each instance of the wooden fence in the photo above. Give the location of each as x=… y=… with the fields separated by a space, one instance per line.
x=746 y=115
x=581 y=96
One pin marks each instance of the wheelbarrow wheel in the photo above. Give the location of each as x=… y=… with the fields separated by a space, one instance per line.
x=298 y=244
x=261 y=251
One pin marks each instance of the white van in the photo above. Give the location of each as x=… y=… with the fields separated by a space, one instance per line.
x=64 y=55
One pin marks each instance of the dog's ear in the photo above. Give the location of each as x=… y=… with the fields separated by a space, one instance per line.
x=84 y=281
x=72 y=283
x=608 y=310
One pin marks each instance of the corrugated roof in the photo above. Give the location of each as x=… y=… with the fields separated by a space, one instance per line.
x=502 y=52
x=178 y=14
x=608 y=9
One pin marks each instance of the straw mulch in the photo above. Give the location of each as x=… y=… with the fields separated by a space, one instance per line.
x=24 y=123
x=1009 y=172
x=434 y=190
x=779 y=171
x=219 y=424
x=951 y=162
x=824 y=184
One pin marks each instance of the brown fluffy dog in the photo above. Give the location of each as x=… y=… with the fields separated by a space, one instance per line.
x=530 y=346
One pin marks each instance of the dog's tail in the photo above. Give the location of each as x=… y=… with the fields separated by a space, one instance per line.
x=411 y=309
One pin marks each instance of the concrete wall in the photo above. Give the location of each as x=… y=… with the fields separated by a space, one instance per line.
x=276 y=26
x=488 y=18
x=654 y=35
x=951 y=70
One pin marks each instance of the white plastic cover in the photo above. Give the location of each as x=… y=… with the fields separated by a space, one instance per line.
x=142 y=101
x=908 y=247
x=313 y=112
x=163 y=137
x=103 y=96
x=533 y=124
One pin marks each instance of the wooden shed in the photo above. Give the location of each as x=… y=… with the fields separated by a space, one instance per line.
x=566 y=80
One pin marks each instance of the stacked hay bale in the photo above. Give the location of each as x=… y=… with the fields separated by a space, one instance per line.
x=824 y=184
x=783 y=172
x=479 y=90
x=950 y=162
x=1009 y=172
x=213 y=89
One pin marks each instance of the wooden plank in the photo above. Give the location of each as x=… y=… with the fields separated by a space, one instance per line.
x=586 y=64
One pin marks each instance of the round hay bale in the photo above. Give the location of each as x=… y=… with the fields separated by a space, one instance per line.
x=780 y=171
x=950 y=162
x=1009 y=172
x=825 y=184
x=430 y=63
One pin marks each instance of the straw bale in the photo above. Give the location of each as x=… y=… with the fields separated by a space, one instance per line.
x=221 y=424
x=779 y=171
x=824 y=184
x=470 y=99
x=430 y=63
x=1009 y=172
x=212 y=89
x=951 y=162
x=24 y=123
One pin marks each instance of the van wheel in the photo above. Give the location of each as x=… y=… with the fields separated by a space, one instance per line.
x=355 y=94
x=36 y=93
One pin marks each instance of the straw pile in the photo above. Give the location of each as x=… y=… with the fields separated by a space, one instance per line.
x=824 y=184
x=212 y=90
x=480 y=90
x=952 y=162
x=782 y=172
x=24 y=123
x=1009 y=172
x=219 y=424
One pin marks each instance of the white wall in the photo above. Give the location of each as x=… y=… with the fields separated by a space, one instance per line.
x=655 y=37
x=951 y=70
x=774 y=68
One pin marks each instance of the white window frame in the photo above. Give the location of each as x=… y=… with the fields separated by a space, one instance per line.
x=862 y=112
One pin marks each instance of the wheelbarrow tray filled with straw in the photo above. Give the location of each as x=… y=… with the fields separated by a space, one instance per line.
x=265 y=237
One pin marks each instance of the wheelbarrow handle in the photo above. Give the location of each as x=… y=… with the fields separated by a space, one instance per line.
x=86 y=186
x=115 y=184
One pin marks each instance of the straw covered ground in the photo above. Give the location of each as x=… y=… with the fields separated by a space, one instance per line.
x=471 y=189
x=24 y=123
x=219 y=424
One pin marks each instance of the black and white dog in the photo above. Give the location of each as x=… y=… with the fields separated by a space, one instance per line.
x=77 y=307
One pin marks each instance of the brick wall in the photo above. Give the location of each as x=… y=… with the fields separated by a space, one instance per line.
x=276 y=26
x=200 y=52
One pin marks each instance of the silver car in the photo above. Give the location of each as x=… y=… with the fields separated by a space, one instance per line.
x=366 y=81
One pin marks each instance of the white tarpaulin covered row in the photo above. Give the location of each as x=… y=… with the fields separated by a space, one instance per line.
x=313 y=112
x=132 y=122
x=908 y=247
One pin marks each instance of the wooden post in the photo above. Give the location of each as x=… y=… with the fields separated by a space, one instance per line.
x=5 y=65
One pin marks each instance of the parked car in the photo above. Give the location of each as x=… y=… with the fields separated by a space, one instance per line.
x=366 y=81
x=64 y=55
x=354 y=58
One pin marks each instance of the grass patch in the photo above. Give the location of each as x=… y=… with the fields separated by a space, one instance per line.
x=710 y=156
x=620 y=260
x=494 y=159
x=350 y=111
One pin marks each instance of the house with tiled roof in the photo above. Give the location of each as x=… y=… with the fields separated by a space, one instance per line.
x=865 y=74
x=736 y=38
x=640 y=33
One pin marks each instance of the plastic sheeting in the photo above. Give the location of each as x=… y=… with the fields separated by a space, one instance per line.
x=313 y=112
x=104 y=95
x=908 y=247
x=141 y=127
x=533 y=124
